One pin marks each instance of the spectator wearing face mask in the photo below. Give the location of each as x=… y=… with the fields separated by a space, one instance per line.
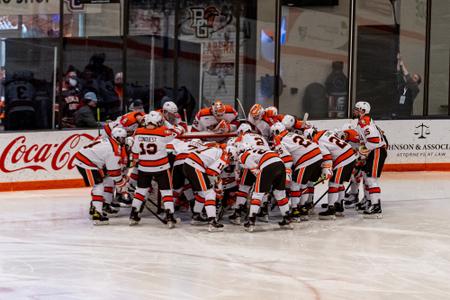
x=85 y=116
x=70 y=99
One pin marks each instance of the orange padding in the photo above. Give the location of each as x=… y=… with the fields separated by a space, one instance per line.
x=76 y=183
x=416 y=167
x=41 y=185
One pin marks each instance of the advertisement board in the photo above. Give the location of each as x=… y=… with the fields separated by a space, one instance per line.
x=30 y=160
x=414 y=145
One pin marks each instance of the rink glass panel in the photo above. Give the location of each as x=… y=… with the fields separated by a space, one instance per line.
x=314 y=60
x=378 y=38
x=28 y=42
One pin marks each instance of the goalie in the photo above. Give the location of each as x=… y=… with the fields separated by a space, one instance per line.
x=219 y=118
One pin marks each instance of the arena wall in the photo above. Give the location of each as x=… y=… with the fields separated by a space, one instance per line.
x=44 y=160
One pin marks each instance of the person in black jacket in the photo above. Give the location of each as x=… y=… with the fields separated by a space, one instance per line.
x=85 y=116
x=407 y=90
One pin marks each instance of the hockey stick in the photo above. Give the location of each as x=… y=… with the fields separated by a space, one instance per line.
x=241 y=107
x=98 y=120
x=318 y=200
x=325 y=205
x=154 y=213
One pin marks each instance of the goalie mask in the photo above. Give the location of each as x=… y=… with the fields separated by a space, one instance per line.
x=218 y=109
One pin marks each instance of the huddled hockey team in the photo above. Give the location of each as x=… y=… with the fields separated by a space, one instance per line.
x=251 y=167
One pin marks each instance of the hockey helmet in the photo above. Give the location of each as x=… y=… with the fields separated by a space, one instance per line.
x=153 y=118
x=277 y=128
x=119 y=134
x=244 y=128
x=218 y=109
x=289 y=121
x=257 y=111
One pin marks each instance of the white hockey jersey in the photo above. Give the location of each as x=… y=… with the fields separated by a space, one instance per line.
x=303 y=151
x=102 y=154
x=149 y=148
x=370 y=134
x=334 y=149
x=206 y=121
x=253 y=139
x=262 y=126
x=211 y=160
x=181 y=149
x=257 y=159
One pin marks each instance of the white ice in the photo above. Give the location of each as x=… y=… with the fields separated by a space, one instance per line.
x=50 y=250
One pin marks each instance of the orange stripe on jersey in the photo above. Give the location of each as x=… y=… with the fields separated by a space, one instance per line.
x=338 y=176
x=311 y=154
x=244 y=157
x=201 y=179
x=286 y=159
x=258 y=182
x=181 y=156
x=327 y=157
x=244 y=176
x=376 y=160
x=344 y=156
x=85 y=160
x=266 y=157
x=90 y=177
x=154 y=163
x=97 y=198
x=374 y=140
x=196 y=158
x=107 y=129
x=114 y=173
x=318 y=135
x=115 y=146
x=300 y=176
x=210 y=202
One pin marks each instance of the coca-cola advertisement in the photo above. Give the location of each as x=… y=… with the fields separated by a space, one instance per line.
x=41 y=156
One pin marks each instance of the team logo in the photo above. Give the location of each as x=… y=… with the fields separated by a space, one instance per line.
x=422 y=131
x=74 y=4
x=203 y=20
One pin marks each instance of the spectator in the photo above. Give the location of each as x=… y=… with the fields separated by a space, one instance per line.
x=70 y=99
x=407 y=89
x=97 y=67
x=85 y=116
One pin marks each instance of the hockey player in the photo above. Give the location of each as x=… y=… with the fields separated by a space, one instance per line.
x=260 y=120
x=293 y=124
x=338 y=162
x=101 y=159
x=247 y=179
x=181 y=150
x=201 y=168
x=270 y=173
x=374 y=148
x=172 y=118
x=130 y=122
x=307 y=165
x=219 y=118
x=150 y=155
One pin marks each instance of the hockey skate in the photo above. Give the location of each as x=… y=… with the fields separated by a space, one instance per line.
x=339 y=208
x=110 y=210
x=99 y=218
x=361 y=206
x=263 y=214
x=170 y=219
x=214 y=226
x=250 y=224
x=286 y=222
x=373 y=211
x=309 y=206
x=135 y=216
x=303 y=213
x=329 y=214
x=197 y=219
x=350 y=200
x=296 y=214
x=235 y=218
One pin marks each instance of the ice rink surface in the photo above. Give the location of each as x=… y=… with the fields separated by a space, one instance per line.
x=50 y=250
